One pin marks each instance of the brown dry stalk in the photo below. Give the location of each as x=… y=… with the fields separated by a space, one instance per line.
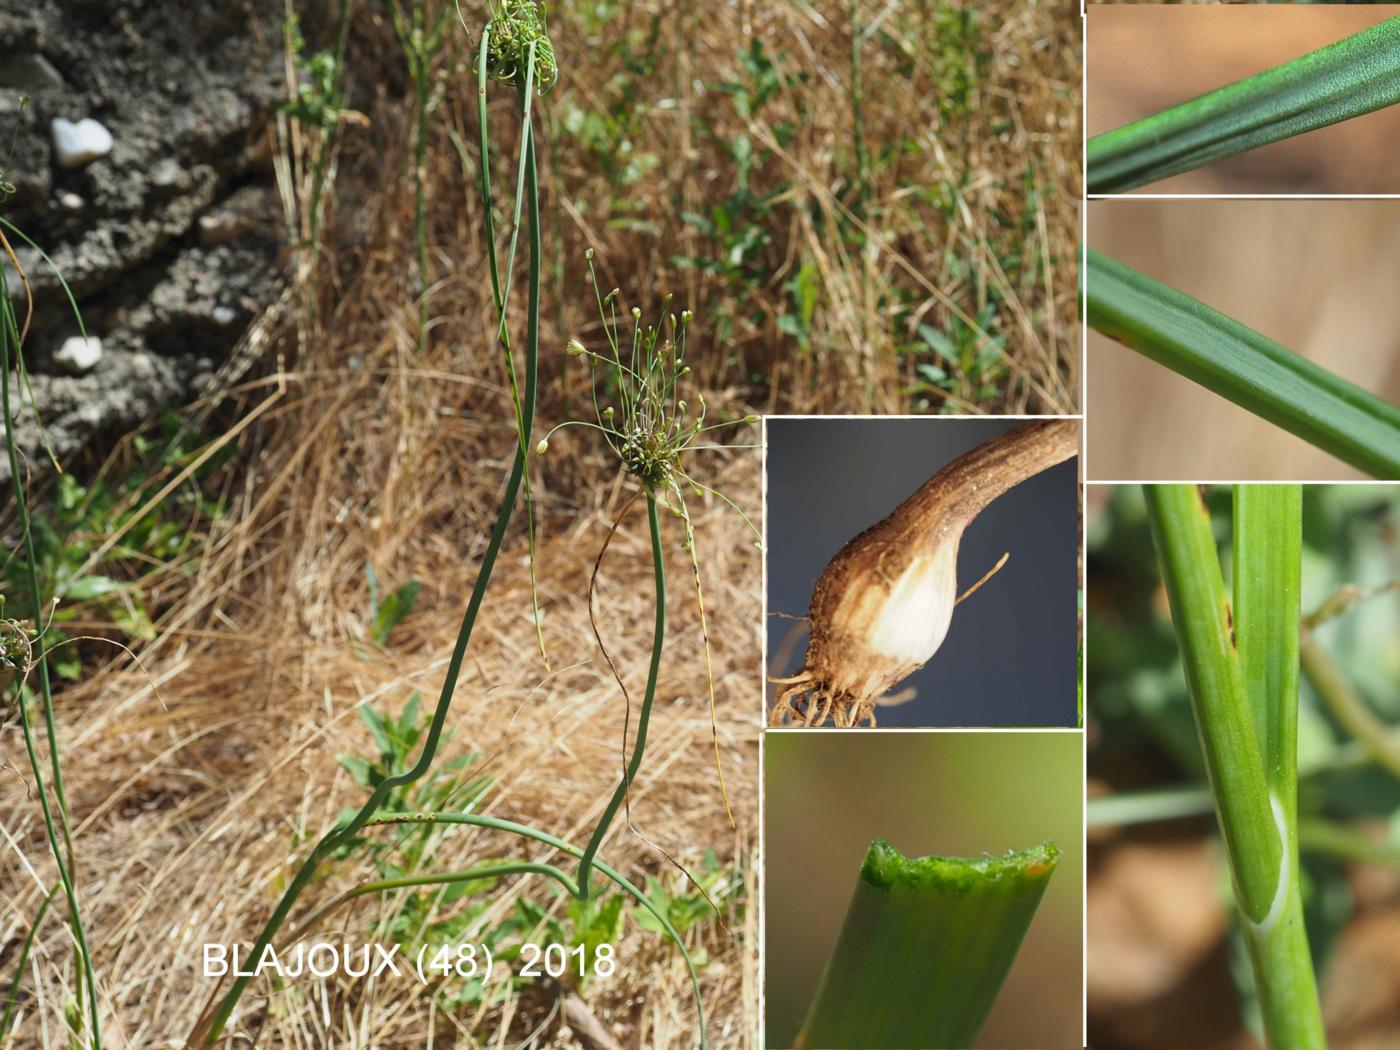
x=882 y=607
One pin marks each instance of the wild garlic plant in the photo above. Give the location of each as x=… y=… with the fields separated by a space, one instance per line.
x=635 y=387
x=511 y=44
x=514 y=50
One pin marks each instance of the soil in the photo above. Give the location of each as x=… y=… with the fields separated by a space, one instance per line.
x=171 y=242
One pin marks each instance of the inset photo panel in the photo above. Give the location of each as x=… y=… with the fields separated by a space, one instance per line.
x=1242 y=99
x=1243 y=670
x=924 y=890
x=922 y=572
x=1255 y=340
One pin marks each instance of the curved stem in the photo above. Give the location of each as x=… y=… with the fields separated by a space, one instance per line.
x=344 y=832
x=490 y=871
x=510 y=826
x=657 y=643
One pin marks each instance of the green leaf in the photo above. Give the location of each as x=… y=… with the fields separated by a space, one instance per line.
x=1346 y=79
x=393 y=610
x=90 y=587
x=1238 y=363
x=925 y=948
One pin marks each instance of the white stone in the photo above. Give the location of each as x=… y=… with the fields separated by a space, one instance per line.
x=78 y=354
x=224 y=315
x=81 y=143
x=69 y=201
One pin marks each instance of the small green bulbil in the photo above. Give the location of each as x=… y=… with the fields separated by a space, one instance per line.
x=516 y=26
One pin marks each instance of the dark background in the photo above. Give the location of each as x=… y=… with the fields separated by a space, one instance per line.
x=1010 y=656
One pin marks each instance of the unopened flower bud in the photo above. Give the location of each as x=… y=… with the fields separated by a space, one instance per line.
x=588 y=255
x=751 y=419
x=575 y=348
x=636 y=313
x=542 y=447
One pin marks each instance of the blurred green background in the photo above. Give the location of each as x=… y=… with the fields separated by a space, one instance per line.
x=1165 y=961
x=829 y=794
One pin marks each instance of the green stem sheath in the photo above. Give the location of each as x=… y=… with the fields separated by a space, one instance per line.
x=1267 y=570
x=657 y=644
x=1343 y=80
x=925 y=948
x=1243 y=366
x=344 y=832
x=1255 y=799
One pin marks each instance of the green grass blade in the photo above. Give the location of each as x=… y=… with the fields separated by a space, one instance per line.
x=925 y=948
x=1347 y=79
x=12 y=996
x=1243 y=366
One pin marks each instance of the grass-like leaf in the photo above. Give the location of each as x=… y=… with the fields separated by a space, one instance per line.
x=1238 y=363
x=1347 y=79
x=925 y=948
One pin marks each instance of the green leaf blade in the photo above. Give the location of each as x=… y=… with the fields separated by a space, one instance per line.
x=1243 y=366
x=1346 y=79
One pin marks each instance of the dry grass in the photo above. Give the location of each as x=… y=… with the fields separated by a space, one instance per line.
x=193 y=804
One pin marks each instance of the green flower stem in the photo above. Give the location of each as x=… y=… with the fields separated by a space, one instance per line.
x=500 y=295
x=925 y=948
x=473 y=820
x=1346 y=79
x=1349 y=709
x=1243 y=366
x=658 y=642
x=58 y=832
x=1254 y=802
x=342 y=833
